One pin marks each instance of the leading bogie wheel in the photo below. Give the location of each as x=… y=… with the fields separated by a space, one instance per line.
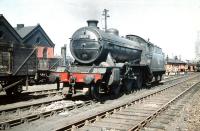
x=66 y=93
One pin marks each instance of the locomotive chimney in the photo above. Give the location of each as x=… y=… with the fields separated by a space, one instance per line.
x=92 y=23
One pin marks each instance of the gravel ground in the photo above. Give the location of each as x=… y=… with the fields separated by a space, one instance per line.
x=53 y=106
x=51 y=123
x=40 y=87
x=191 y=113
x=188 y=119
x=36 y=88
x=29 y=102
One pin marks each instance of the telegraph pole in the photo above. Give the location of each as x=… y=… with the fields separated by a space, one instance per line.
x=105 y=14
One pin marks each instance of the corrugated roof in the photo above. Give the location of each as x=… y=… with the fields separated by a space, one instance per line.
x=25 y=30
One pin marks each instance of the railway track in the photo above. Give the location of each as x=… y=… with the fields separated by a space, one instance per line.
x=48 y=92
x=134 y=114
x=53 y=92
x=22 y=117
x=46 y=103
x=39 y=94
x=171 y=78
x=165 y=119
x=31 y=107
x=29 y=96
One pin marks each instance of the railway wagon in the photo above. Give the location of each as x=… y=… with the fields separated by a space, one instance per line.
x=107 y=64
x=20 y=66
x=17 y=64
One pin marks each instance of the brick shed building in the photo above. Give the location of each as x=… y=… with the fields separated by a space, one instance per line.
x=35 y=36
x=175 y=66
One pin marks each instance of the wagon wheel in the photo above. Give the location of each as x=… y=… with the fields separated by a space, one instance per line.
x=95 y=91
x=128 y=85
x=17 y=89
x=9 y=92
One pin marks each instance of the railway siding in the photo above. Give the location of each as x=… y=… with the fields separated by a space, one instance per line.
x=98 y=115
x=43 y=112
x=81 y=113
x=172 y=118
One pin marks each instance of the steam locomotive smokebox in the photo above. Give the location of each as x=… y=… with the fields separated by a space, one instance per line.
x=92 y=23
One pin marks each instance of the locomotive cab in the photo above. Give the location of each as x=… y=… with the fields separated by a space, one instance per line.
x=152 y=57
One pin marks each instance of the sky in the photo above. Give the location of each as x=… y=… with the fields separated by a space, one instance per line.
x=169 y=24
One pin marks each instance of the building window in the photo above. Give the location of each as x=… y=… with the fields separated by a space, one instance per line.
x=1 y=34
x=4 y=62
x=45 y=53
x=38 y=39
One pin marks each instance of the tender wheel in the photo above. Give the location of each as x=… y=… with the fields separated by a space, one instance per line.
x=115 y=91
x=160 y=77
x=139 y=81
x=156 y=78
x=95 y=91
x=128 y=85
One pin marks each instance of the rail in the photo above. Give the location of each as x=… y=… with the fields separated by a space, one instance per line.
x=107 y=112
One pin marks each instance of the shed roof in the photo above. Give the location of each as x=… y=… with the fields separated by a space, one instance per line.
x=10 y=28
x=175 y=61
x=25 y=30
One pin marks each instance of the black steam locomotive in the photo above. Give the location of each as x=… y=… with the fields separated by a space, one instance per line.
x=106 y=63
